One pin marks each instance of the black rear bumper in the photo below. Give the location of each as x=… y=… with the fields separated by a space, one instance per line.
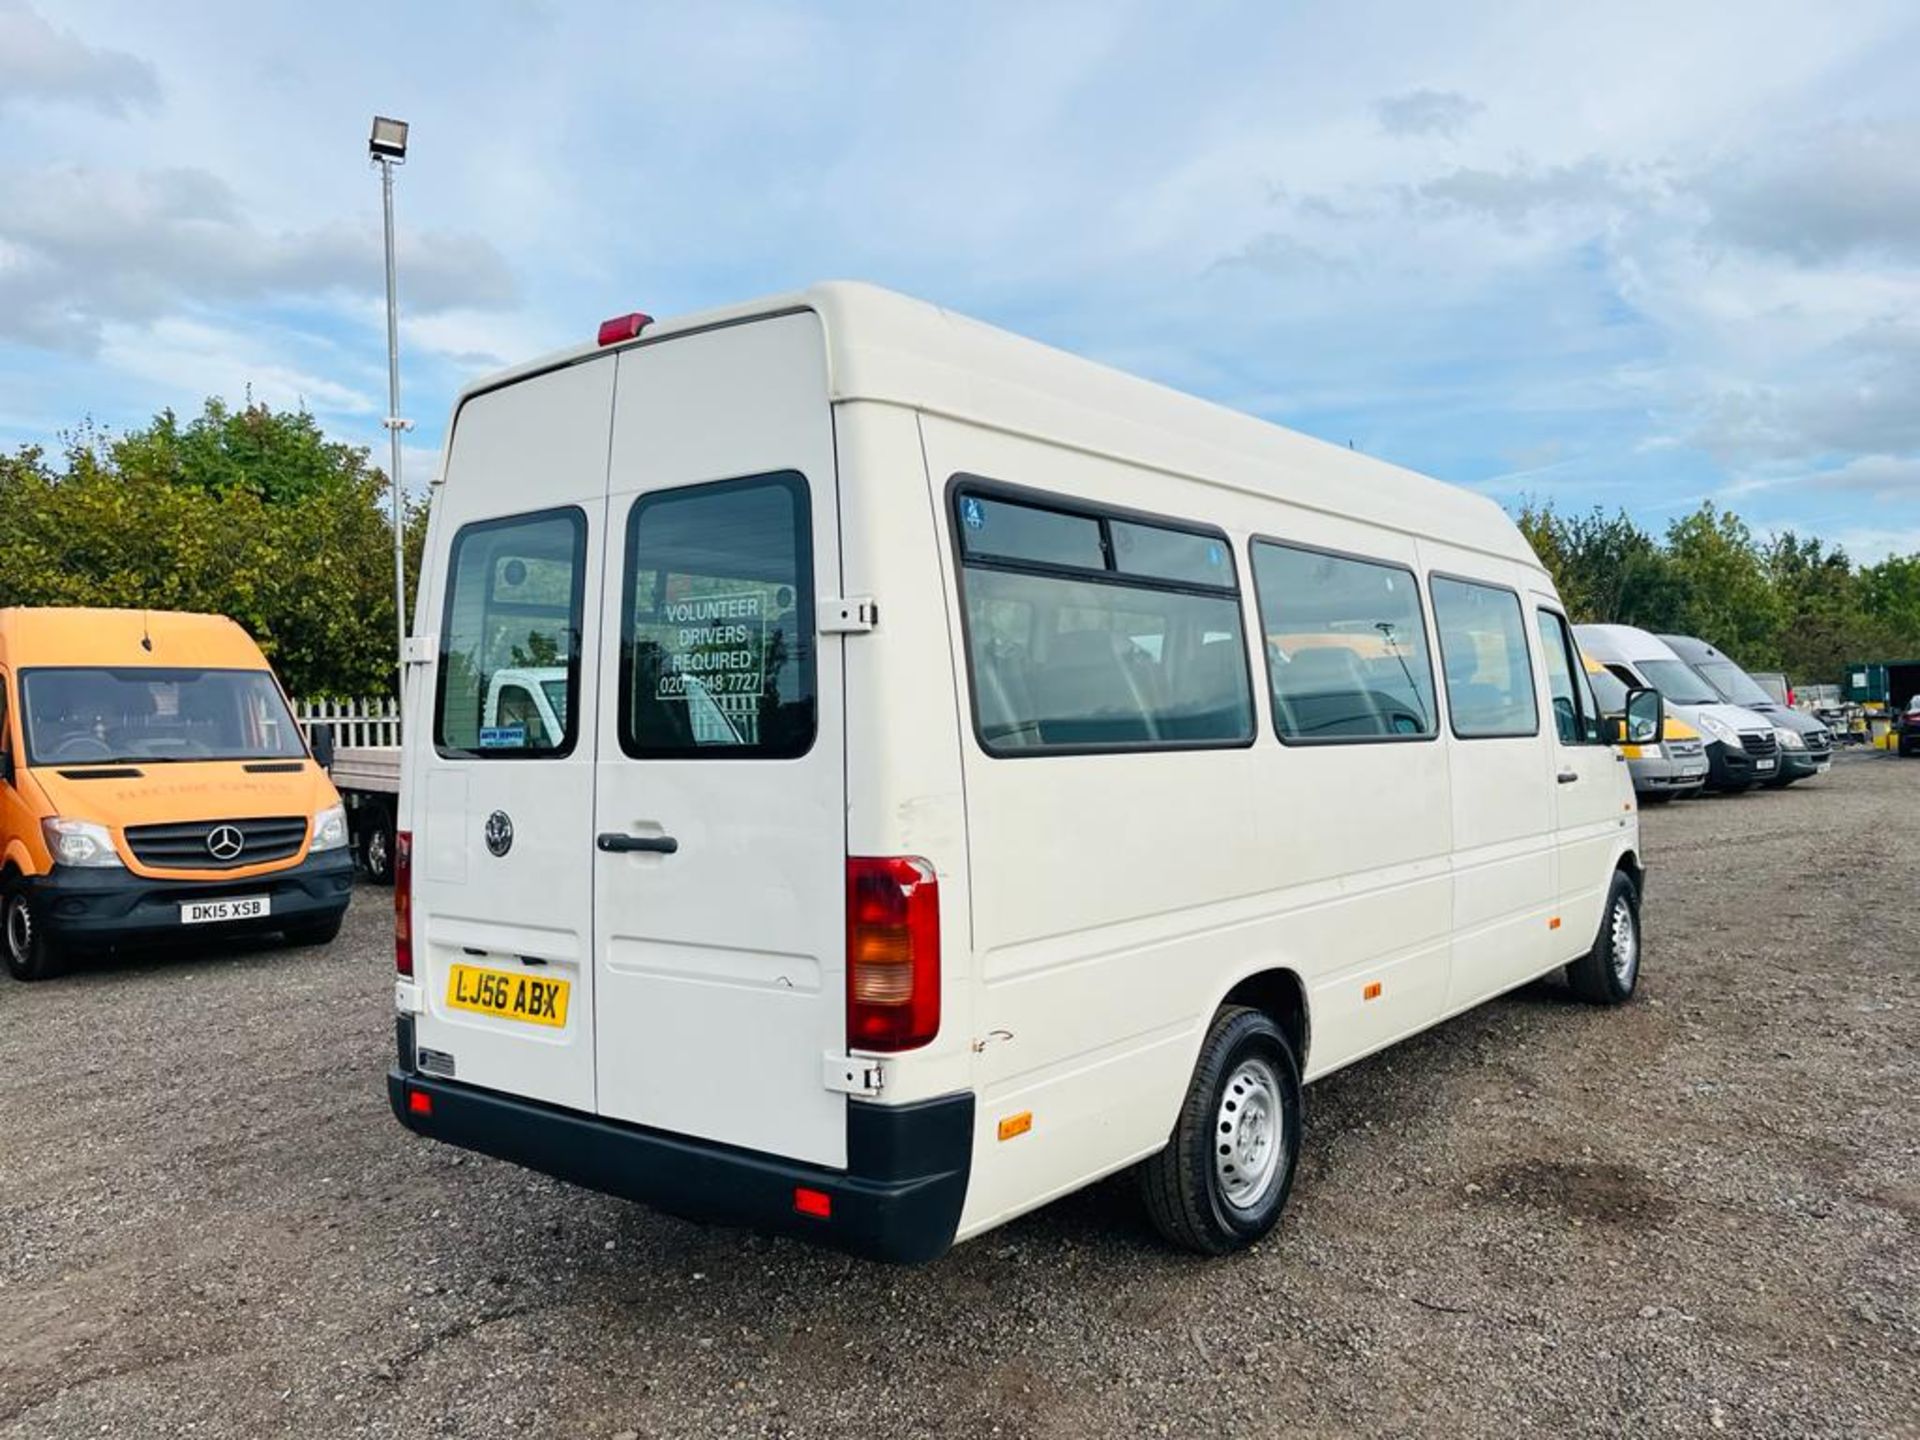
x=92 y=909
x=898 y=1199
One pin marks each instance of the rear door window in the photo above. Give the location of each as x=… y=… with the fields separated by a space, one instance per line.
x=717 y=638
x=513 y=603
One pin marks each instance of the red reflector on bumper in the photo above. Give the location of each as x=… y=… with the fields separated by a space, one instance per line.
x=419 y=1102
x=813 y=1202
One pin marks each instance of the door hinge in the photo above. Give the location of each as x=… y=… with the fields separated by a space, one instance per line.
x=852 y=1075
x=852 y=615
x=421 y=649
x=407 y=998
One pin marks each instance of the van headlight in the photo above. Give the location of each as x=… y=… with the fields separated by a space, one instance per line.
x=329 y=829
x=1789 y=739
x=80 y=844
x=1720 y=730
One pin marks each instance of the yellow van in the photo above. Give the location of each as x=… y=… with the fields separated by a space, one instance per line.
x=153 y=783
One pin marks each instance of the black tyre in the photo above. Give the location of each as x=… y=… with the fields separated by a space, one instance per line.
x=1608 y=973
x=376 y=844
x=314 y=932
x=29 y=951
x=1224 y=1177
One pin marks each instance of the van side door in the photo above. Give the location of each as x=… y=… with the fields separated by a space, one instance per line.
x=1593 y=798
x=1499 y=758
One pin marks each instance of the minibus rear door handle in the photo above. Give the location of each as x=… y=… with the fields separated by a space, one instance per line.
x=613 y=841
x=1567 y=777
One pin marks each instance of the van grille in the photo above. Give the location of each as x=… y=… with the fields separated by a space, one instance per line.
x=1685 y=749
x=186 y=845
x=1760 y=746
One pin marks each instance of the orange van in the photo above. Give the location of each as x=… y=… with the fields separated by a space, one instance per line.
x=154 y=783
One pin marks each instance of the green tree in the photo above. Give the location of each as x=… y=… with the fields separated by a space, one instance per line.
x=249 y=513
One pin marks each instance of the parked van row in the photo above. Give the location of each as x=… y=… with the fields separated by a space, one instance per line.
x=965 y=772
x=1724 y=731
x=154 y=785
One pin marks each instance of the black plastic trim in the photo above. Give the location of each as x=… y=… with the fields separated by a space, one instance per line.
x=98 y=907
x=898 y=1200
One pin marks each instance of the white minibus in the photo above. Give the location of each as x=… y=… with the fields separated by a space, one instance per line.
x=972 y=772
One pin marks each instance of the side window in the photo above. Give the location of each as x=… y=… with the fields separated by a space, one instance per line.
x=717 y=634
x=1576 y=715
x=1346 y=647
x=1094 y=632
x=513 y=605
x=6 y=718
x=1483 y=652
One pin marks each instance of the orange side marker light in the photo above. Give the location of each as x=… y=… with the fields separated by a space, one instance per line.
x=1372 y=991
x=1016 y=1125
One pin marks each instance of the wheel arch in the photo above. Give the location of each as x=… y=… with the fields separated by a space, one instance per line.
x=1280 y=993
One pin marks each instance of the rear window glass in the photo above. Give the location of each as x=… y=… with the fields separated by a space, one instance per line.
x=512 y=636
x=717 y=645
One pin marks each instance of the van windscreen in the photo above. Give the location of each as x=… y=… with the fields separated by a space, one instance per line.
x=80 y=716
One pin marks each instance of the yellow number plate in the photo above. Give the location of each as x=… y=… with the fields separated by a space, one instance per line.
x=508 y=994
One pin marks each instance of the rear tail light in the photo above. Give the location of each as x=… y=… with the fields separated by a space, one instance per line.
x=403 y=902
x=893 y=953
x=1792 y=700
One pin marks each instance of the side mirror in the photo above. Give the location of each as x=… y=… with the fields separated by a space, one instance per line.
x=1645 y=722
x=320 y=741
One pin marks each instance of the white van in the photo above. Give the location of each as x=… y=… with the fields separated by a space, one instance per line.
x=977 y=772
x=1742 y=747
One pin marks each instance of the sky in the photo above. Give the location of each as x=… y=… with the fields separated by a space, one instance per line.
x=1638 y=256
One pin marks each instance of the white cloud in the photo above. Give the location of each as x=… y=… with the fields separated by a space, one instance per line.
x=39 y=63
x=1427 y=112
x=195 y=360
x=81 y=248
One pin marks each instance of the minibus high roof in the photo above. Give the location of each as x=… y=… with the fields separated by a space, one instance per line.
x=56 y=635
x=889 y=348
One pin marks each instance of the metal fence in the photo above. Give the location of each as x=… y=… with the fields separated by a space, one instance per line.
x=356 y=723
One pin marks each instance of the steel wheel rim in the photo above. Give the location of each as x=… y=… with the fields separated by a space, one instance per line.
x=19 y=930
x=1249 y=1134
x=1623 y=938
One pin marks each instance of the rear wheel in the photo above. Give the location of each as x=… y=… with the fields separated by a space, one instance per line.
x=1608 y=973
x=30 y=952
x=1224 y=1176
x=376 y=844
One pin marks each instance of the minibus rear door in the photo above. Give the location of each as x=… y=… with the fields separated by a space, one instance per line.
x=721 y=793
x=499 y=793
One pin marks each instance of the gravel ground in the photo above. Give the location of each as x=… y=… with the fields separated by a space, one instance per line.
x=1693 y=1215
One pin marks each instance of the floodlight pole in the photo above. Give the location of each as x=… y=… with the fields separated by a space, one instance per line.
x=394 y=425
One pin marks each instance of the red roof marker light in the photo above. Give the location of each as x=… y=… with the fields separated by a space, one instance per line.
x=623 y=327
